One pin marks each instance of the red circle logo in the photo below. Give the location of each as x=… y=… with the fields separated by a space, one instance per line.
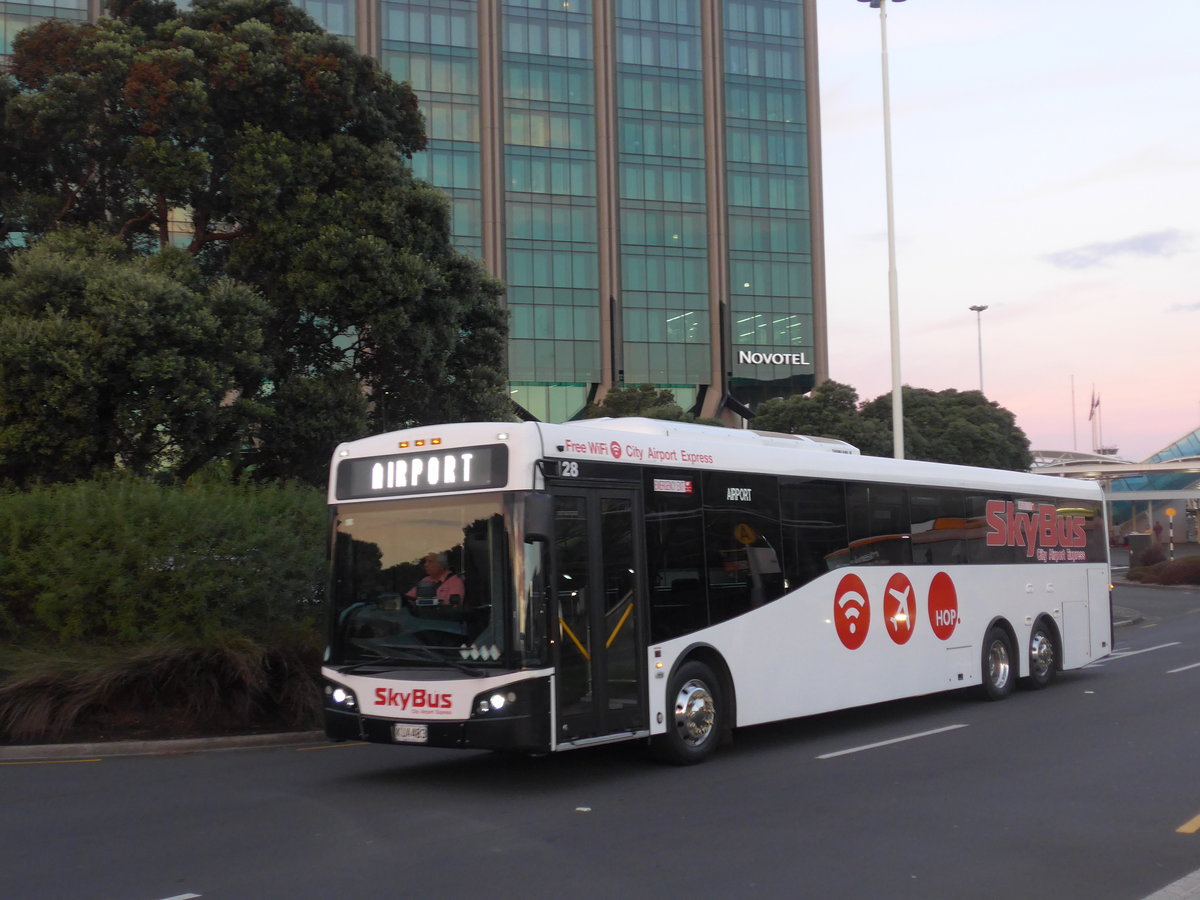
x=615 y=448
x=851 y=612
x=899 y=608
x=943 y=606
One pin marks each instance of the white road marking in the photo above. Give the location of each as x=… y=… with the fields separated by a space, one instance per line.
x=1182 y=668
x=907 y=737
x=1186 y=888
x=1121 y=654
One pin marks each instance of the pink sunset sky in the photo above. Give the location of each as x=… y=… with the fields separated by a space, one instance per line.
x=1046 y=164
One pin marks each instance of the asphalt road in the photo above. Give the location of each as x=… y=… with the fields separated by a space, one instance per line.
x=1086 y=790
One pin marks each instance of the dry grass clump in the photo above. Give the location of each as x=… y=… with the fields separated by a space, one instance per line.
x=163 y=691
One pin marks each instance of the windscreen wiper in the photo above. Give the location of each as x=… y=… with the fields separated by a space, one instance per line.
x=414 y=652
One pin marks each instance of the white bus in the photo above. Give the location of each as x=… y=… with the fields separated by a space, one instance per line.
x=621 y=579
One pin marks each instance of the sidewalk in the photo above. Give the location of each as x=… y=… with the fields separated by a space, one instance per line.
x=14 y=753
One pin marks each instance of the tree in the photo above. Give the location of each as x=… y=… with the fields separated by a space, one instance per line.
x=273 y=153
x=644 y=400
x=111 y=360
x=950 y=426
x=831 y=410
x=636 y=400
x=956 y=427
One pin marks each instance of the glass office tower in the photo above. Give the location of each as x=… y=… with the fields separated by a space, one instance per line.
x=644 y=175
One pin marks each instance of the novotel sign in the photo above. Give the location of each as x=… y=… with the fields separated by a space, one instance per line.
x=462 y=469
x=758 y=358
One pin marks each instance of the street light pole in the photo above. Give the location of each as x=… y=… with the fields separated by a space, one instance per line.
x=893 y=299
x=978 y=310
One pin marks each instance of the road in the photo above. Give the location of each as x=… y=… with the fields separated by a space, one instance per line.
x=1086 y=790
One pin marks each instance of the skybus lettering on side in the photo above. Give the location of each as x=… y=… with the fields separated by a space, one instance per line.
x=1041 y=528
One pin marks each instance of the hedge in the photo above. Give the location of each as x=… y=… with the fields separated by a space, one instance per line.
x=121 y=561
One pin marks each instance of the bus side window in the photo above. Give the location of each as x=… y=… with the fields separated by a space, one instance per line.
x=674 y=553
x=742 y=543
x=879 y=525
x=814 y=527
x=939 y=526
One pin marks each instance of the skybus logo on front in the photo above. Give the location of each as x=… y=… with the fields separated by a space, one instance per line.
x=418 y=698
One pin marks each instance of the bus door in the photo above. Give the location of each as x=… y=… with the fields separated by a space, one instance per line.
x=601 y=612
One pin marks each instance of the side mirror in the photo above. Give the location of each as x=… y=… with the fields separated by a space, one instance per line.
x=539 y=516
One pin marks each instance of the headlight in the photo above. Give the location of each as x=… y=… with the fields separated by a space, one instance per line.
x=495 y=702
x=340 y=697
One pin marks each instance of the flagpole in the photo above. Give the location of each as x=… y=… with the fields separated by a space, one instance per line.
x=1074 y=418
x=1092 y=421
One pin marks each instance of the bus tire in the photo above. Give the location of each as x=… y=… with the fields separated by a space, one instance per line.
x=999 y=673
x=1043 y=657
x=695 y=716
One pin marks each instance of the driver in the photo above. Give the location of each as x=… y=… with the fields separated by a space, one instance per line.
x=440 y=585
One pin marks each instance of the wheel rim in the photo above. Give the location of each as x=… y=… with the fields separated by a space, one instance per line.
x=999 y=665
x=695 y=712
x=1041 y=654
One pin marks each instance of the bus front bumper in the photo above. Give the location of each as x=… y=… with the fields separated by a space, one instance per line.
x=526 y=729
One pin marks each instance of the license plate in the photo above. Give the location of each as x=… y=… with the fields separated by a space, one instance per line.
x=410 y=734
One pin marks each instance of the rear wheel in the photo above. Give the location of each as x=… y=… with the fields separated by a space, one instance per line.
x=695 y=716
x=1043 y=657
x=999 y=675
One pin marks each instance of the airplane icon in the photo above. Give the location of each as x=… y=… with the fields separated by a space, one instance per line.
x=900 y=619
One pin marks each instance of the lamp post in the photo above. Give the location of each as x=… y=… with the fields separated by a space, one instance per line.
x=893 y=300
x=978 y=310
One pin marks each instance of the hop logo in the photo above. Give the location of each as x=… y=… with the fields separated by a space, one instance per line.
x=943 y=606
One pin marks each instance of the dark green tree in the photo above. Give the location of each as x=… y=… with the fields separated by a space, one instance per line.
x=831 y=410
x=275 y=154
x=646 y=401
x=961 y=427
x=636 y=400
x=112 y=360
x=955 y=427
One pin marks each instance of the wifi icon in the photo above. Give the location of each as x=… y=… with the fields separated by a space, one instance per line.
x=852 y=612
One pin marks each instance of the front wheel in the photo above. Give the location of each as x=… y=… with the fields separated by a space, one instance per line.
x=695 y=716
x=999 y=676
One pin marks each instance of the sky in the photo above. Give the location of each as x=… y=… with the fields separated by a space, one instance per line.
x=1046 y=164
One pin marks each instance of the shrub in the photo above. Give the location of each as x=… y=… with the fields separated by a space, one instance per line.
x=122 y=561
x=229 y=685
x=1178 y=571
x=1153 y=555
x=1181 y=571
x=1143 y=574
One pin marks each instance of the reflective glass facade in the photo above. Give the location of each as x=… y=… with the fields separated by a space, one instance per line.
x=335 y=16
x=549 y=149
x=770 y=240
x=663 y=212
x=643 y=174
x=16 y=16
x=434 y=45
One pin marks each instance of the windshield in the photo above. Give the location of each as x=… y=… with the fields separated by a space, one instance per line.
x=425 y=582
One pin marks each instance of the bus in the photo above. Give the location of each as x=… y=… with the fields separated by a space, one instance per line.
x=635 y=579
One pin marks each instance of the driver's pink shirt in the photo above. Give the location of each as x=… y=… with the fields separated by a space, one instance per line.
x=450 y=585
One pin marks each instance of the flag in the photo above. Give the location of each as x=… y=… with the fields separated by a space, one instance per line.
x=1095 y=406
